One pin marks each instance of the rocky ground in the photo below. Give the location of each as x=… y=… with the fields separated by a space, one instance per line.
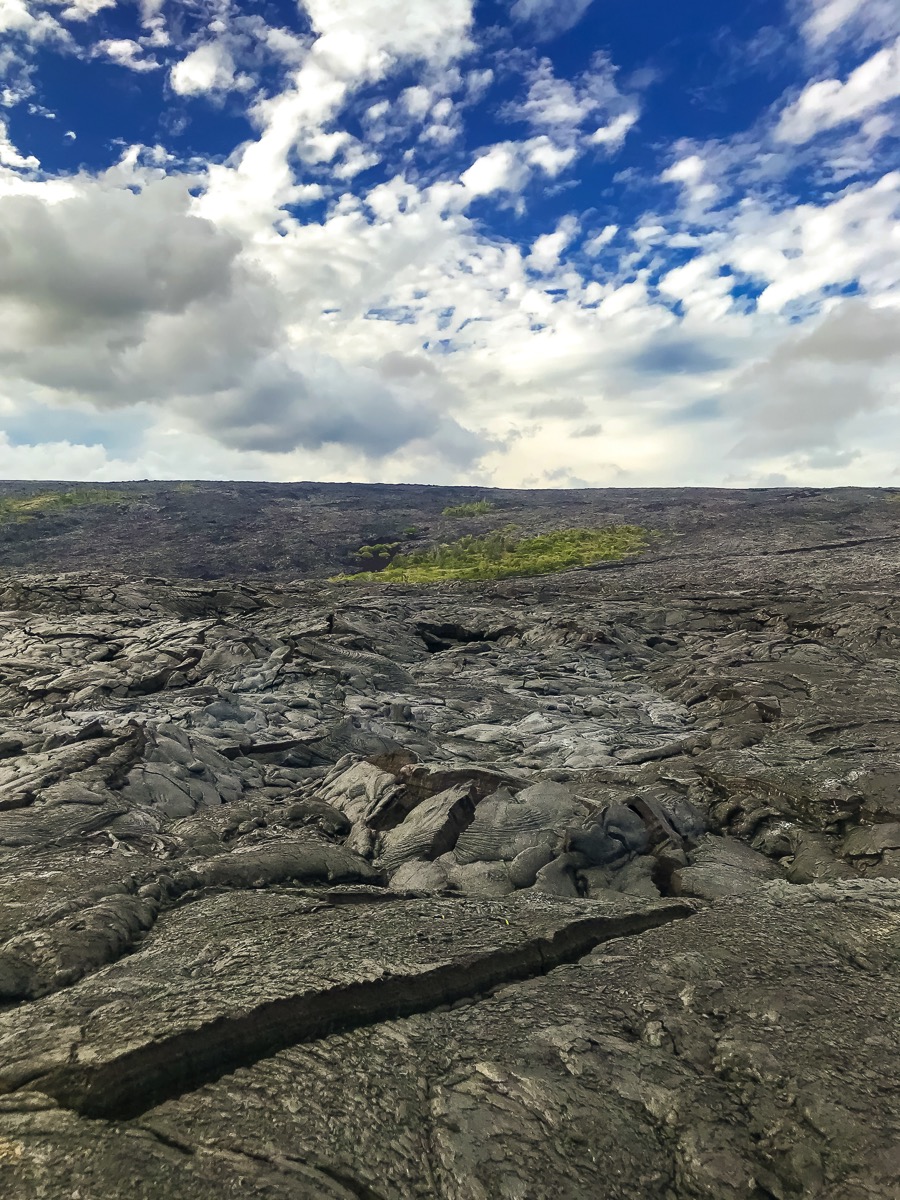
x=582 y=886
x=282 y=531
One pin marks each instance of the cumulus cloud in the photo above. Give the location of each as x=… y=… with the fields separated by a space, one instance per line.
x=357 y=42
x=691 y=174
x=855 y=332
x=803 y=251
x=318 y=401
x=828 y=103
x=813 y=385
x=116 y=298
x=10 y=156
x=126 y=53
x=26 y=28
x=107 y=255
x=595 y=244
x=499 y=169
x=29 y=21
x=563 y=118
x=356 y=34
x=562 y=108
x=83 y=10
x=546 y=251
x=613 y=135
x=208 y=68
x=289 y=311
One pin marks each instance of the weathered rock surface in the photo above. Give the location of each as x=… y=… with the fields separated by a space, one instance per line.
x=575 y=886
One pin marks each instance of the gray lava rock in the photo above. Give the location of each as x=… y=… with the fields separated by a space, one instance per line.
x=505 y=825
x=480 y=879
x=324 y=817
x=721 y=867
x=636 y=878
x=523 y=869
x=872 y=840
x=209 y=987
x=431 y=829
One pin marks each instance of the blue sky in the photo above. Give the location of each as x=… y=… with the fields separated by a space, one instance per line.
x=515 y=242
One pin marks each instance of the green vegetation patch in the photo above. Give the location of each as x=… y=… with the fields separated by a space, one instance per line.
x=378 y=551
x=473 y=509
x=23 y=508
x=502 y=554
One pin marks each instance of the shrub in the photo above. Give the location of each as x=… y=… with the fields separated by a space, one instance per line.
x=377 y=550
x=502 y=554
x=473 y=509
x=376 y=556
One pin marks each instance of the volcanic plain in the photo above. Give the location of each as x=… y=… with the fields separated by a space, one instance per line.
x=578 y=885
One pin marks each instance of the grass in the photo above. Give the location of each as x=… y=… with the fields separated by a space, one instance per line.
x=473 y=509
x=502 y=554
x=45 y=503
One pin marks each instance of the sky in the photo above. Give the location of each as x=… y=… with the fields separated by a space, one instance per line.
x=540 y=243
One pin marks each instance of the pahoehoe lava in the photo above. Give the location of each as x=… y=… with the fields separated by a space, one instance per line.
x=141 y=1079
x=314 y=890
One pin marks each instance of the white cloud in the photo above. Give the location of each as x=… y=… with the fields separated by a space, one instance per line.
x=83 y=10
x=499 y=169
x=10 y=156
x=375 y=112
x=154 y=22
x=392 y=330
x=113 y=298
x=548 y=247
x=815 y=384
x=24 y=29
x=830 y=22
x=603 y=238
x=703 y=292
x=416 y=100
x=358 y=42
x=613 y=135
x=803 y=252
x=549 y=18
x=356 y=33
x=829 y=102
x=36 y=26
x=126 y=53
x=542 y=152
x=557 y=110
x=562 y=106
x=554 y=103
x=691 y=174
x=301 y=355
x=478 y=83
x=209 y=68
x=825 y=17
